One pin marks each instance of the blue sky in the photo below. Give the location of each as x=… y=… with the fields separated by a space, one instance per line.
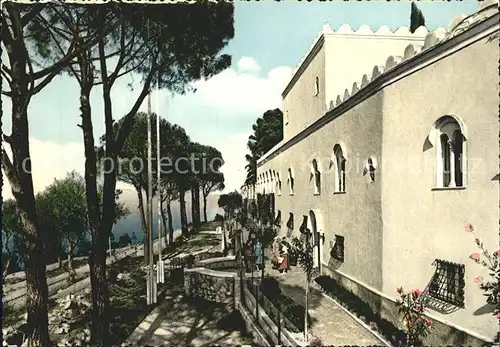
x=270 y=39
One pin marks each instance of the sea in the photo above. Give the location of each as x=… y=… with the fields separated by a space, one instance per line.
x=132 y=224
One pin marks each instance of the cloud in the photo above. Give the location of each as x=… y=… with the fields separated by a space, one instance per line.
x=247 y=64
x=243 y=90
x=49 y=160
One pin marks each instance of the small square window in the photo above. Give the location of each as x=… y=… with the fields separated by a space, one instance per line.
x=337 y=251
x=448 y=283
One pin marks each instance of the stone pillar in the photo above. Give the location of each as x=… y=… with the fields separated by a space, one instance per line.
x=187 y=282
x=452 y=164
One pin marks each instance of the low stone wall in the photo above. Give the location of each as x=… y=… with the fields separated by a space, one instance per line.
x=212 y=285
x=221 y=263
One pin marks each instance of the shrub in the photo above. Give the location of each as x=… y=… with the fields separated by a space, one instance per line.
x=412 y=311
x=316 y=342
x=490 y=287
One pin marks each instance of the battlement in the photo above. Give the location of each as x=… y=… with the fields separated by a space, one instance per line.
x=457 y=25
x=345 y=30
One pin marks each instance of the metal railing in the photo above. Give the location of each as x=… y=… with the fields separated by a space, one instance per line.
x=263 y=303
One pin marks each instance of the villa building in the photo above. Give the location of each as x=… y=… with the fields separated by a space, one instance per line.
x=391 y=145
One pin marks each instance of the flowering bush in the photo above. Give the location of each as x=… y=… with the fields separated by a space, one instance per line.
x=412 y=311
x=492 y=262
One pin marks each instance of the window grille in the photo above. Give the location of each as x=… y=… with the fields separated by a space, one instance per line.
x=448 y=282
x=338 y=248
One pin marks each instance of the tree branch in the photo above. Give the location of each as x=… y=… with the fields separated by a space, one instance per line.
x=28 y=17
x=6 y=69
x=129 y=119
x=50 y=77
x=119 y=63
x=9 y=170
x=125 y=72
x=57 y=67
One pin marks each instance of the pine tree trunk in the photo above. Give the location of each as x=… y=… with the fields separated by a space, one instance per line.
x=36 y=284
x=18 y=172
x=196 y=203
x=144 y=225
x=99 y=330
x=193 y=206
x=182 y=206
x=5 y=270
x=205 y=209
x=170 y=224
x=71 y=271
x=100 y=298
x=164 y=222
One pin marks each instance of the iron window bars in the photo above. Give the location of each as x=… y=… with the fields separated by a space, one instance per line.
x=448 y=282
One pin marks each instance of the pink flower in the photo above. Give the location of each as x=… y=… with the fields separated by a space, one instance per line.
x=419 y=307
x=469 y=228
x=416 y=292
x=478 y=279
x=497 y=253
x=372 y=325
x=474 y=256
x=498 y=315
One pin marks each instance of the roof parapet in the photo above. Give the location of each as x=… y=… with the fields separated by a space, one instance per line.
x=457 y=25
x=364 y=30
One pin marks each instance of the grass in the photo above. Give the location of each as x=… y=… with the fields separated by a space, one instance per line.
x=127 y=304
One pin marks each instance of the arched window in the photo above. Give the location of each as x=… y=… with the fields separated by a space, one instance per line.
x=316 y=86
x=316 y=174
x=451 y=161
x=290 y=180
x=339 y=162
